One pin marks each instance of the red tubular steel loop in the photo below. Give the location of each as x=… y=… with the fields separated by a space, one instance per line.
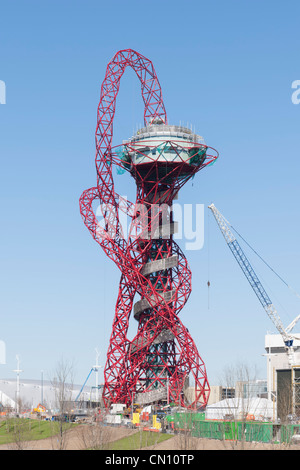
x=162 y=356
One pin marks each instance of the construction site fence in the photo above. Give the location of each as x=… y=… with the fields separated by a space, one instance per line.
x=248 y=431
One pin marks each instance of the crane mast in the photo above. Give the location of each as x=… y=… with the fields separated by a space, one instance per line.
x=252 y=278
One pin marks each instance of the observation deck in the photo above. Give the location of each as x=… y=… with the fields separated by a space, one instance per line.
x=162 y=143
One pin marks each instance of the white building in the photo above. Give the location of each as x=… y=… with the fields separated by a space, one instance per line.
x=239 y=408
x=283 y=371
x=34 y=392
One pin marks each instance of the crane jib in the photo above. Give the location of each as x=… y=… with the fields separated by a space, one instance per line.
x=254 y=281
x=249 y=273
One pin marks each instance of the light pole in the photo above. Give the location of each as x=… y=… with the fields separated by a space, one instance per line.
x=96 y=369
x=42 y=387
x=18 y=371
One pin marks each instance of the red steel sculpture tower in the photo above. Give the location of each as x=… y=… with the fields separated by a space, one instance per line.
x=155 y=277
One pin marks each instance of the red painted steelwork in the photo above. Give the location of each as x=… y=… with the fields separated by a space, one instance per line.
x=163 y=354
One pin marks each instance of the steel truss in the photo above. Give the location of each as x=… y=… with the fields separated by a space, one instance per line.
x=162 y=355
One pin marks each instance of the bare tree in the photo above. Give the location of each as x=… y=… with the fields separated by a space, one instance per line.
x=238 y=378
x=284 y=395
x=63 y=386
x=95 y=436
x=184 y=439
x=20 y=433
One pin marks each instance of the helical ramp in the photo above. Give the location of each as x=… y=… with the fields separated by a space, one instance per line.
x=155 y=283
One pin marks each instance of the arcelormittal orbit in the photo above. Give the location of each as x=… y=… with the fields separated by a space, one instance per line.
x=155 y=278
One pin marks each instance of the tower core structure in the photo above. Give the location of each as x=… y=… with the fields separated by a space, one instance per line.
x=155 y=278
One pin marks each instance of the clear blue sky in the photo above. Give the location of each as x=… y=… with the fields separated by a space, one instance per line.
x=225 y=67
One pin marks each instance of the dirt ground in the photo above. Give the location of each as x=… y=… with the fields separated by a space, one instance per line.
x=87 y=436
x=79 y=438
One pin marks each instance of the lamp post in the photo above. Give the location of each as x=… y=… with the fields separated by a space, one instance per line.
x=42 y=387
x=18 y=371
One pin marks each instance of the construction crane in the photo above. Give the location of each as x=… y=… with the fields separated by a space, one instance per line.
x=96 y=370
x=255 y=283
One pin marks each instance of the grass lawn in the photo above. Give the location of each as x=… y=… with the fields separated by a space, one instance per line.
x=139 y=440
x=14 y=429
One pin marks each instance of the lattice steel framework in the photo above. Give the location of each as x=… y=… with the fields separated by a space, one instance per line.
x=162 y=356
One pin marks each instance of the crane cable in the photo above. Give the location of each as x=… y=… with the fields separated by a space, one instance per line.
x=208 y=261
x=257 y=254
